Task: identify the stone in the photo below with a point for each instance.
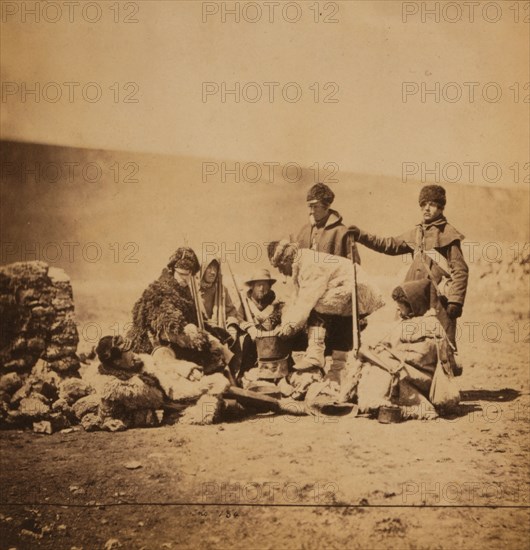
(33, 407)
(46, 389)
(19, 365)
(43, 427)
(133, 465)
(36, 318)
(62, 406)
(91, 422)
(66, 365)
(42, 371)
(22, 392)
(72, 389)
(4, 397)
(58, 275)
(113, 425)
(10, 382)
(85, 405)
(36, 345)
(56, 422)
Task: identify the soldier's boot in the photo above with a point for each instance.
(314, 354)
(337, 367)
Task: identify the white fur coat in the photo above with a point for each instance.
(325, 282)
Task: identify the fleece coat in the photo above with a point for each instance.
(165, 309)
(324, 283)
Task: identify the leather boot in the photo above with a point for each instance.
(314, 354)
(338, 364)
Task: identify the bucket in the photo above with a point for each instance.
(389, 414)
(270, 346)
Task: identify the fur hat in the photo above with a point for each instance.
(276, 250)
(320, 192)
(433, 193)
(184, 258)
(110, 348)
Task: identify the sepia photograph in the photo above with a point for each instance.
(264, 275)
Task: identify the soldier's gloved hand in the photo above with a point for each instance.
(252, 332)
(454, 310)
(355, 231)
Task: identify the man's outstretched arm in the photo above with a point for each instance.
(393, 246)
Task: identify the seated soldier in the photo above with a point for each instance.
(166, 314)
(125, 396)
(413, 367)
(220, 315)
(265, 356)
(218, 307)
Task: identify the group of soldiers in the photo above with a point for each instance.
(283, 350)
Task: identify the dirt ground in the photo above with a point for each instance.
(294, 482)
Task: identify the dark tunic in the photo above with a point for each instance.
(331, 237)
(441, 237)
(438, 235)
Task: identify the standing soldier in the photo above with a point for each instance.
(325, 231)
(435, 245)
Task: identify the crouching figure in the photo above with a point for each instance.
(414, 367)
(324, 286)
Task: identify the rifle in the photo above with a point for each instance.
(192, 283)
(355, 307)
(220, 299)
(242, 301)
(197, 301)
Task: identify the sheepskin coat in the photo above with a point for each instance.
(166, 306)
(164, 303)
(324, 283)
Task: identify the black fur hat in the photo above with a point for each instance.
(184, 258)
(322, 193)
(433, 193)
(110, 348)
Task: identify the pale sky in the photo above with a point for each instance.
(170, 53)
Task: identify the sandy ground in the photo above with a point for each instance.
(293, 482)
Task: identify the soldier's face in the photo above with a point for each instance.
(182, 276)
(210, 274)
(430, 211)
(404, 310)
(318, 210)
(128, 361)
(260, 289)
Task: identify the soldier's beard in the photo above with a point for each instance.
(312, 220)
